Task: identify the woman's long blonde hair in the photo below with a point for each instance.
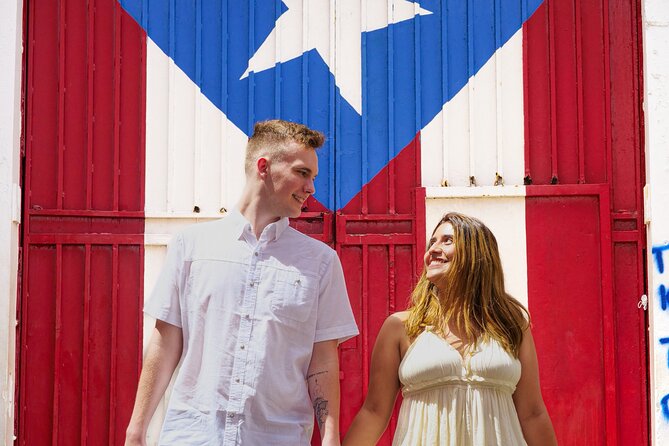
(471, 293)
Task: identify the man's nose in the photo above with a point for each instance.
(310, 188)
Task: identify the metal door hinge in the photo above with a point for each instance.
(643, 302)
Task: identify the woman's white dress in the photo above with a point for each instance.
(454, 400)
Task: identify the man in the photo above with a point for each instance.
(254, 310)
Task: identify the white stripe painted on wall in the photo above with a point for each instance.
(11, 25)
(480, 132)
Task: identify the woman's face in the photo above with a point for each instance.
(440, 253)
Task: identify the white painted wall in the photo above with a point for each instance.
(480, 132)
(655, 14)
(11, 25)
(488, 204)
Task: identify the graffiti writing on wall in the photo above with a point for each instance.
(663, 297)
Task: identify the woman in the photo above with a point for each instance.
(463, 354)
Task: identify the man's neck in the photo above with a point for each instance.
(255, 212)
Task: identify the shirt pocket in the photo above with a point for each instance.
(295, 295)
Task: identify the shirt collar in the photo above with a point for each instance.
(272, 231)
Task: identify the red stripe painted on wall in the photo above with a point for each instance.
(83, 226)
(585, 262)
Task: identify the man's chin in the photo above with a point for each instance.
(295, 213)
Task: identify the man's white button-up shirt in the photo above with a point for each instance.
(250, 311)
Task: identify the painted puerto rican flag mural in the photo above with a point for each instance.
(508, 110)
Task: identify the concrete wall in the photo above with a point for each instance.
(10, 201)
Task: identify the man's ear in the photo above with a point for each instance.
(263, 167)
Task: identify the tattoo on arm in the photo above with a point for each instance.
(320, 403)
(316, 374)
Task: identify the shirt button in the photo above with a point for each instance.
(242, 347)
(247, 316)
(251, 284)
(255, 254)
(231, 415)
(237, 380)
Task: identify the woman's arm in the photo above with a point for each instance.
(373, 417)
(534, 419)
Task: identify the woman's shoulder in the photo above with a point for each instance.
(400, 316)
(394, 325)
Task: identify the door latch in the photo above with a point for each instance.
(643, 302)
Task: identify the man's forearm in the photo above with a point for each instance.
(161, 359)
(323, 381)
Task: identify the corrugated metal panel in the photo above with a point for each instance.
(477, 137)
(583, 128)
(445, 75)
(83, 223)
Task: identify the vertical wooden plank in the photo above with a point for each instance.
(445, 177)
(58, 326)
(305, 62)
(74, 99)
(43, 100)
(594, 73)
(98, 379)
(86, 338)
(550, 9)
(471, 137)
(499, 90)
(69, 338)
(129, 155)
(251, 48)
(364, 320)
(117, 105)
(198, 198)
(171, 122)
(102, 157)
(114, 344)
(224, 189)
(625, 105)
(90, 89)
(364, 124)
(578, 40)
(61, 101)
(391, 108)
(36, 417)
(610, 367)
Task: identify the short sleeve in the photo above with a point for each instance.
(335, 317)
(164, 303)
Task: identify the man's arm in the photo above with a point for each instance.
(162, 357)
(323, 381)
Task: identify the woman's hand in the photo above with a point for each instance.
(372, 419)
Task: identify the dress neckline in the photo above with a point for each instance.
(464, 359)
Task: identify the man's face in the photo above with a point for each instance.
(292, 178)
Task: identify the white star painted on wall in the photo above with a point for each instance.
(310, 24)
